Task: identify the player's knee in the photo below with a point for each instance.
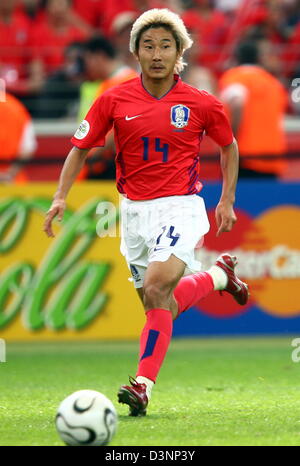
(156, 295)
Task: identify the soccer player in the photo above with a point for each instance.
(158, 122)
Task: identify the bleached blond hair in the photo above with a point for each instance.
(159, 18)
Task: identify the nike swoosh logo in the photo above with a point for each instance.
(158, 249)
(127, 118)
(238, 287)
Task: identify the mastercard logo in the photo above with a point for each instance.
(268, 252)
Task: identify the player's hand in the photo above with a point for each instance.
(57, 209)
(225, 217)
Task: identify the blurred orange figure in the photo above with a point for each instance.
(17, 139)
(256, 102)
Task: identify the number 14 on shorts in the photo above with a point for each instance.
(166, 233)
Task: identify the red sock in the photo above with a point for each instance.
(191, 289)
(154, 342)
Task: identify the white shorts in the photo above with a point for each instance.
(152, 230)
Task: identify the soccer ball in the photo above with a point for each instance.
(86, 417)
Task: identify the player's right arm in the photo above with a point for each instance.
(91, 133)
(71, 169)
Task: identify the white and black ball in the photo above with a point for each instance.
(86, 417)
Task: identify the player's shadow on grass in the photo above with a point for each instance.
(150, 417)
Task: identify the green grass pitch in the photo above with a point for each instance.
(209, 391)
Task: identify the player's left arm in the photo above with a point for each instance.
(225, 216)
(217, 126)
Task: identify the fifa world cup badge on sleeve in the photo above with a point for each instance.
(180, 116)
(83, 130)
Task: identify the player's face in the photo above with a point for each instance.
(157, 53)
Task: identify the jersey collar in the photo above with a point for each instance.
(177, 80)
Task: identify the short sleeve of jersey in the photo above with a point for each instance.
(217, 125)
(98, 121)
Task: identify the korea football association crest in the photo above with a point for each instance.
(180, 115)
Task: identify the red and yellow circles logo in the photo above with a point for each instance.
(268, 251)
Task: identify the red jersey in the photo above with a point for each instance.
(157, 140)
(48, 45)
(14, 41)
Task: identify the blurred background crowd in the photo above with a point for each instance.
(57, 56)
